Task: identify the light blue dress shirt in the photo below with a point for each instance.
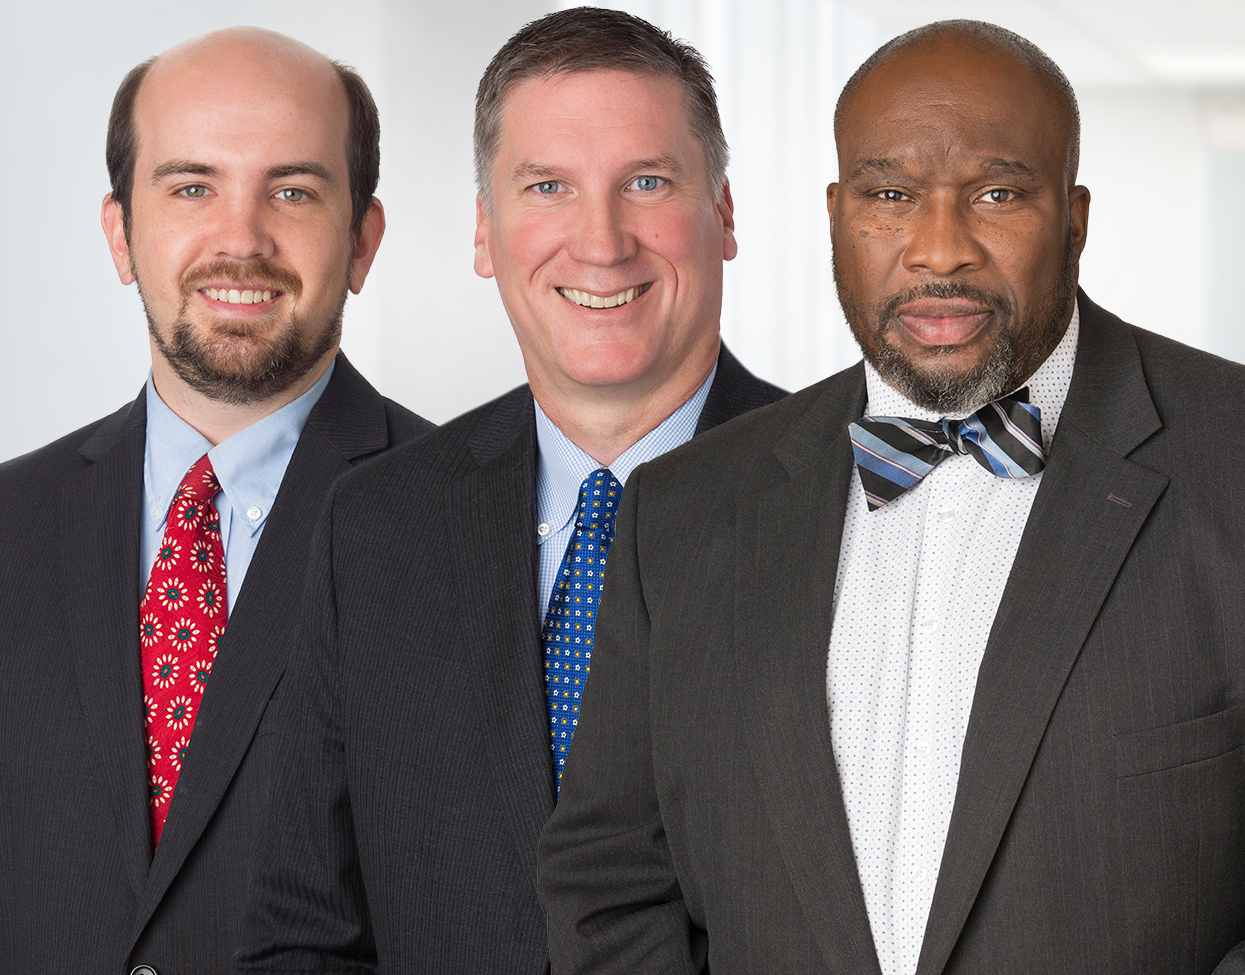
(249, 466)
(561, 468)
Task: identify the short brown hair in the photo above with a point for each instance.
(362, 141)
(596, 39)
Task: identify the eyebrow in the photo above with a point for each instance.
(1013, 166)
(889, 166)
(539, 171)
(877, 166)
(184, 167)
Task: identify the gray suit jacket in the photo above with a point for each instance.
(1099, 822)
(79, 888)
(414, 770)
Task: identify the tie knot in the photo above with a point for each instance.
(200, 483)
(894, 453)
(598, 500)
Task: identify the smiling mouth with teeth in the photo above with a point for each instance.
(587, 300)
(235, 296)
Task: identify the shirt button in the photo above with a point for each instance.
(253, 512)
(921, 875)
(947, 514)
(542, 530)
(924, 748)
(929, 626)
(156, 513)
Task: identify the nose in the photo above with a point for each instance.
(943, 237)
(600, 235)
(243, 232)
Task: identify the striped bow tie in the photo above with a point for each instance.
(893, 453)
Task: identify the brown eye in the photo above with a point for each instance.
(1000, 196)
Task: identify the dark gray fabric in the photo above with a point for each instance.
(414, 771)
(1099, 823)
(79, 888)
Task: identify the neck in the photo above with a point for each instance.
(604, 422)
(215, 419)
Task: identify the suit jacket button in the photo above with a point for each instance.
(143, 970)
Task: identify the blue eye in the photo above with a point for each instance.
(647, 184)
(548, 186)
(194, 192)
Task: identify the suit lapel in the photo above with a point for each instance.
(99, 546)
(1089, 491)
(496, 501)
(789, 540)
(348, 422)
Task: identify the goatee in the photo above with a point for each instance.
(1019, 348)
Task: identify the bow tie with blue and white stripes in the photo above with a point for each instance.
(893, 453)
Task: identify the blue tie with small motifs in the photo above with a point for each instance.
(567, 633)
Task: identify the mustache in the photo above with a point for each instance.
(252, 272)
(944, 289)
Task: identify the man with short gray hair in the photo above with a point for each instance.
(449, 616)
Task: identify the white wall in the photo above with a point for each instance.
(427, 331)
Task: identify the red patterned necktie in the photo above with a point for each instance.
(180, 621)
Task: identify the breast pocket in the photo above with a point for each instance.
(1184, 743)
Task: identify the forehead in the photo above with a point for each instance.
(596, 114)
(246, 105)
(951, 105)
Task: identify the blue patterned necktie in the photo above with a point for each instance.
(567, 634)
(893, 453)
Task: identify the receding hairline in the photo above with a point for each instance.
(984, 37)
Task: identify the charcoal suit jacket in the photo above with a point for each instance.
(80, 891)
(414, 768)
(1099, 821)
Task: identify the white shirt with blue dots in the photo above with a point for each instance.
(919, 581)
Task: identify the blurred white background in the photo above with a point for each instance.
(1161, 84)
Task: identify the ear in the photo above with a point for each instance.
(726, 208)
(112, 219)
(832, 195)
(1078, 217)
(366, 245)
(483, 260)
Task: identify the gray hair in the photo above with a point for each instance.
(596, 39)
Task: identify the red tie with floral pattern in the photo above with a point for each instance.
(180, 621)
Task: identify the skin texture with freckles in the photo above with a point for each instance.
(956, 226)
(599, 186)
(241, 183)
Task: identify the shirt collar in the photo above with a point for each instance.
(249, 465)
(561, 466)
(1048, 386)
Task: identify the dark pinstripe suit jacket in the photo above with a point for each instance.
(414, 771)
(79, 889)
(1099, 822)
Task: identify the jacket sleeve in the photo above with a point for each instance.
(607, 880)
(306, 906)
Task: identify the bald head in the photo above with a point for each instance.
(949, 40)
(245, 56)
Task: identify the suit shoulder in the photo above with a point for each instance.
(745, 446)
(405, 424)
(437, 456)
(51, 462)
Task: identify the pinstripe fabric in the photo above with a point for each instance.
(893, 453)
(81, 891)
(385, 849)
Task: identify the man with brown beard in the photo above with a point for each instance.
(938, 665)
(150, 563)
